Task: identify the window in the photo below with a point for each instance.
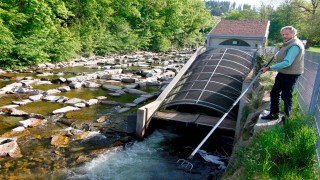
(234, 42)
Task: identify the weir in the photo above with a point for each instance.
(203, 90)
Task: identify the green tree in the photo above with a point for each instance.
(217, 8)
(286, 14)
(36, 31)
(266, 11)
(10, 18)
(309, 23)
(246, 14)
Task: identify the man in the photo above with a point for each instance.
(290, 65)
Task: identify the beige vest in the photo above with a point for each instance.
(297, 67)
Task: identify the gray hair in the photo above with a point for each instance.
(291, 28)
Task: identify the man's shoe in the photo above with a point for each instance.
(270, 116)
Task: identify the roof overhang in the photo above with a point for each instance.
(236, 36)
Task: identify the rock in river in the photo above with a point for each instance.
(65, 109)
(9, 146)
(59, 140)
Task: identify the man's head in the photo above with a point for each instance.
(288, 32)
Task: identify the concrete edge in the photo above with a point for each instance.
(145, 113)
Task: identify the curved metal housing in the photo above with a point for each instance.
(212, 83)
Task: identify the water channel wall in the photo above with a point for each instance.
(145, 113)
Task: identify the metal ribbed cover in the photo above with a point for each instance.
(212, 83)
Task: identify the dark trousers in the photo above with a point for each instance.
(283, 86)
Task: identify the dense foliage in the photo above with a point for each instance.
(35, 31)
(302, 14)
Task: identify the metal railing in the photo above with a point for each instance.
(308, 87)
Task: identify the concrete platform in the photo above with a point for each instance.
(264, 124)
(199, 119)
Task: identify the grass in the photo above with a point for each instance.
(314, 49)
(282, 152)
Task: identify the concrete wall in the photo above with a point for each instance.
(213, 42)
(145, 113)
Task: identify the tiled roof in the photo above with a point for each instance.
(241, 27)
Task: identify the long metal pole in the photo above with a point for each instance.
(233, 105)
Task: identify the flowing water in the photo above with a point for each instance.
(153, 158)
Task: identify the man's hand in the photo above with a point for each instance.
(264, 69)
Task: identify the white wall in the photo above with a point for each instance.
(213, 42)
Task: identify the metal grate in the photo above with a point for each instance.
(212, 83)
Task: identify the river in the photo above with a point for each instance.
(94, 143)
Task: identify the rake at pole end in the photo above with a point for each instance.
(185, 164)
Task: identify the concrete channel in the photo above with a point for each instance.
(201, 92)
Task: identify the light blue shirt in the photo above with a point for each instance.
(292, 53)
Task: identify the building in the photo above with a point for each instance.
(239, 34)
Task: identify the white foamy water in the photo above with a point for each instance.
(147, 159)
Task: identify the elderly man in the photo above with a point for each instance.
(290, 65)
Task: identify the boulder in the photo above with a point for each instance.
(52, 91)
(115, 94)
(80, 105)
(59, 140)
(101, 98)
(36, 97)
(38, 116)
(102, 119)
(113, 71)
(9, 106)
(121, 110)
(135, 91)
(75, 85)
(105, 76)
(131, 105)
(16, 112)
(44, 82)
(132, 86)
(81, 135)
(140, 100)
(22, 90)
(91, 102)
(52, 98)
(9, 146)
(129, 80)
(92, 85)
(62, 80)
(23, 102)
(65, 109)
(74, 101)
(111, 87)
(18, 129)
(64, 89)
(31, 122)
(110, 103)
(35, 92)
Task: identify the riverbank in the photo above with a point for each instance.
(282, 151)
(62, 115)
